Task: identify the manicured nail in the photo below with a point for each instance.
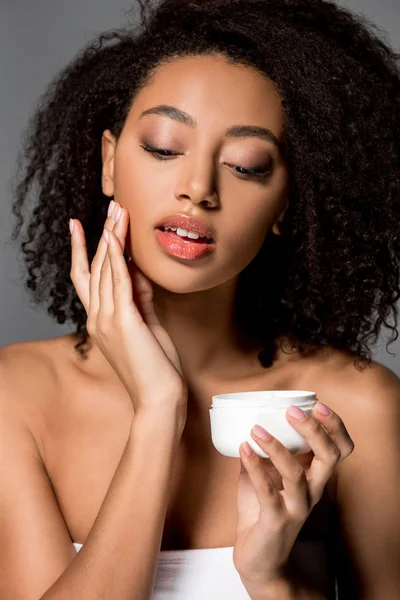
(71, 225)
(248, 449)
(261, 432)
(106, 236)
(117, 214)
(110, 208)
(297, 413)
(322, 409)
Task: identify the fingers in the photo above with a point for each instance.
(294, 481)
(119, 217)
(86, 279)
(330, 443)
(267, 493)
(79, 273)
(120, 278)
(336, 430)
(95, 270)
(106, 301)
(143, 291)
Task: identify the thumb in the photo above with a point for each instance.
(143, 295)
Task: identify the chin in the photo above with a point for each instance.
(178, 284)
(179, 275)
(178, 278)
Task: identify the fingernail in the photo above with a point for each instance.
(117, 214)
(106, 236)
(322, 409)
(297, 413)
(247, 448)
(71, 225)
(110, 208)
(261, 432)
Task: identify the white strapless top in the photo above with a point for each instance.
(199, 574)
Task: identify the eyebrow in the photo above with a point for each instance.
(235, 131)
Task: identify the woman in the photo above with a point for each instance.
(272, 129)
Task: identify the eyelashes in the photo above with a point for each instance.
(162, 154)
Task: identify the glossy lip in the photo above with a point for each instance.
(177, 247)
(189, 223)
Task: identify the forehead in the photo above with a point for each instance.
(217, 93)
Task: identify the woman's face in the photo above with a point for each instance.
(206, 178)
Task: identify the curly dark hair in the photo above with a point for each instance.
(332, 278)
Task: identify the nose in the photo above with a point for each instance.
(197, 183)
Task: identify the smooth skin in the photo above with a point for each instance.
(205, 178)
(113, 320)
(200, 172)
(264, 540)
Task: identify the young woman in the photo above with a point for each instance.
(272, 129)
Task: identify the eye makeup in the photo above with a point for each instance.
(258, 171)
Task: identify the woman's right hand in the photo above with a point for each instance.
(118, 299)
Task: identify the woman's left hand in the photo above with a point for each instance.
(269, 519)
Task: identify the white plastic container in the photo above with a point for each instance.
(232, 417)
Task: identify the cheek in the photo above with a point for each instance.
(248, 233)
(131, 184)
(252, 225)
(134, 177)
(136, 190)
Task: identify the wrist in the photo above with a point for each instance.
(159, 421)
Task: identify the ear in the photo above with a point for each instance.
(108, 144)
(276, 226)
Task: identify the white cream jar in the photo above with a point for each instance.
(232, 417)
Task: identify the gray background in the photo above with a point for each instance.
(36, 40)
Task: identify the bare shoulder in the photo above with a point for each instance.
(50, 387)
(370, 387)
(26, 354)
(367, 399)
(31, 373)
(49, 355)
(23, 362)
(368, 481)
(31, 561)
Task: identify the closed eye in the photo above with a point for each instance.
(157, 152)
(162, 154)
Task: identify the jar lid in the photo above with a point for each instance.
(273, 399)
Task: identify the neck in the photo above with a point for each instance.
(203, 328)
(214, 354)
